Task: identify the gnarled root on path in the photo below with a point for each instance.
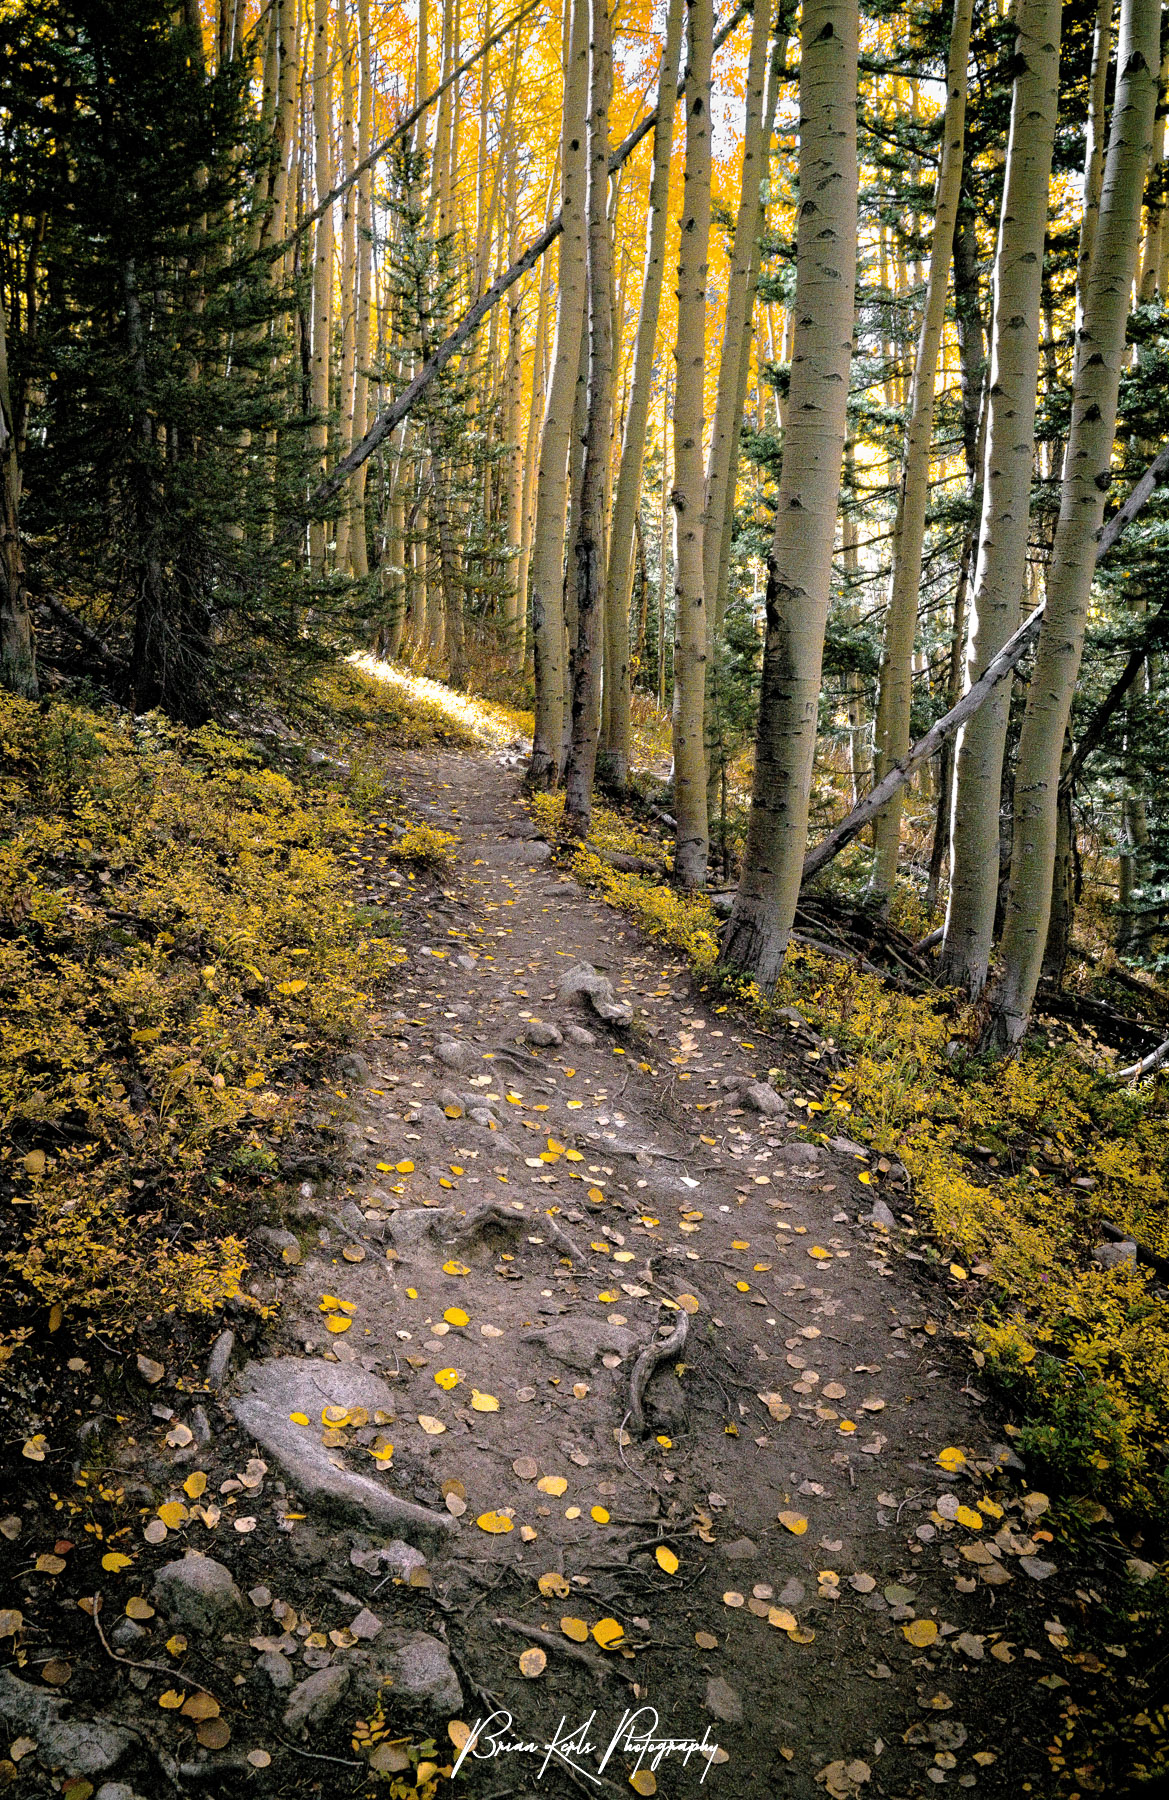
(660, 1351)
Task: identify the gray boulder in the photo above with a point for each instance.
(315, 1698)
(199, 1592)
(455, 1055)
(276, 1666)
(581, 1036)
(543, 1036)
(584, 983)
(580, 1343)
(763, 1099)
(1122, 1255)
(421, 1670)
(79, 1746)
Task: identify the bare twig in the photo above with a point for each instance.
(549, 1640)
(125, 1662)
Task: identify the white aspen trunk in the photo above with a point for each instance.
(895, 689)
(531, 464)
(1099, 360)
(358, 549)
(800, 563)
(348, 275)
(322, 326)
(1094, 135)
(722, 461)
(628, 492)
(422, 75)
(590, 543)
(1000, 569)
(688, 498)
(1153, 252)
(514, 599)
(547, 565)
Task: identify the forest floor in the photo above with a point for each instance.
(820, 1554)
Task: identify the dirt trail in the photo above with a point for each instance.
(810, 1528)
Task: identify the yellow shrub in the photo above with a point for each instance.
(425, 847)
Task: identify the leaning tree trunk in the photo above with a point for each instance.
(895, 689)
(800, 564)
(590, 541)
(322, 329)
(691, 843)
(1086, 479)
(547, 561)
(1006, 496)
(628, 494)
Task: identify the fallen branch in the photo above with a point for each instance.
(77, 628)
(1147, 1065)
(997, 670)
(125, 1662)
(651, 1358)
(622, 860)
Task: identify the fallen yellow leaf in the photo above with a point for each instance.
(920, 1632)
(533, 1662)
(483, 1402)
(495, 1522)
(665, 1559)
(576, 1629)
(608, 1632)
(794, 1521)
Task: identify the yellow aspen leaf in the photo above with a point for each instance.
(483, 1402)
(404, 1168)
(533, 1662)
(171, 1700)
(173, 1514)
(688, 1303)
(967, 1516)
(138, 1608)
(803, 1634)
(553, 1585)
(576, 1629)
(453, 1112)
(782, 1619)
(337, 1322)
(176, 1645)
(666, 1560)
(447, 1378)
(455, 1268)
(608, 1296)
(113, 1560)
(607, 1632)
(291, 987)
(431, 1426)
(495, 1522)
(572, 1512)
(958, 1272)
(819, 1253)
(744, 1287)
(794, 1522)
(596, 1195)
(329, 1303)
(643, 1781)
(733, 1598)
(334, 1416)
(950, 1459)
(920, 1632)
(195, 1484)
(552, 1484)
(454, 1315)
(599, 1515)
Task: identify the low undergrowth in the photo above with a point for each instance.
(180, 955)
(1015, 1167)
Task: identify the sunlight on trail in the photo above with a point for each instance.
(491, 724)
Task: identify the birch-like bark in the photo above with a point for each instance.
(348, 146)
(800, 563)
(628, 493)
(547, 563)
(728, 409)
(1086, 478)
(1094, 134)
(688, 497)
(590, 545)
(1006, 500)
(895, 689)
(322, 326)
(18, 666)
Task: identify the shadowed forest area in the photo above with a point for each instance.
(583, 599)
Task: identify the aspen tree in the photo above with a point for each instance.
(1006, 501)
(896, 679)
(800, 561)
(348, 144)
(547, 564)
(322, 323)
(688, 496)
(728, 410)
(590, 537)
(1100, 344)
(628, 493)
(359, 554)
(18, 668)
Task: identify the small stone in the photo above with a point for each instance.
(454, 1055)
(314, 1699)
(276, 1666)
(740, 1550)
(199, 1592)
(542, 1036)
(218, 1360)
(763, 1099)
(260, 1596)
(1037, 1568)
(125, 1633)
(793, 1593)
(422, 1671)
(723, 1701)
(881, 1215)
(583, 982)
(1121, 1255)
(151, 1372)
(366, 1625)
(581, 1036)
(83, 1746)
